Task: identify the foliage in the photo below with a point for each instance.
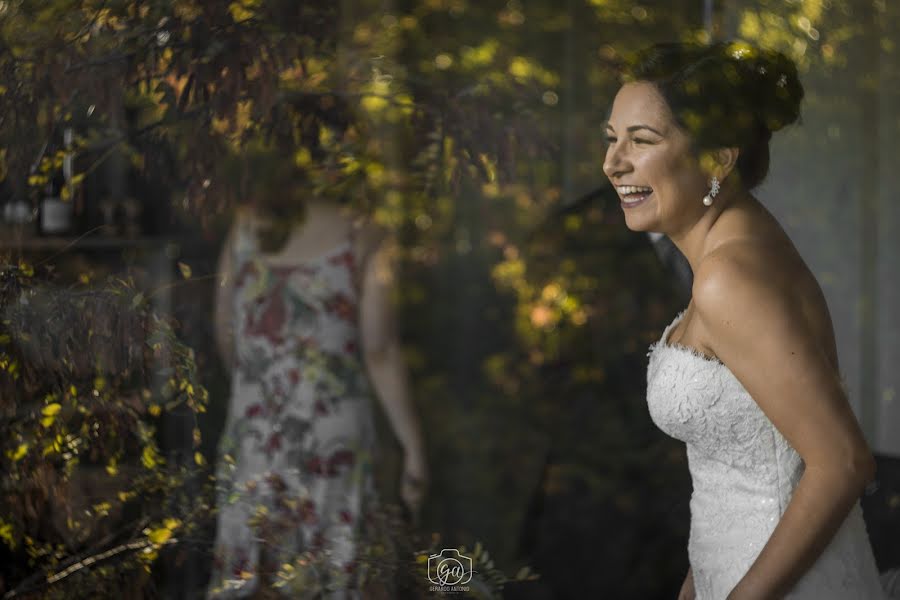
(87, 374)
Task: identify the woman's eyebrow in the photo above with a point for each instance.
(647, 127)
(636, 128)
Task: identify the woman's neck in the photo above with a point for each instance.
(711, 229)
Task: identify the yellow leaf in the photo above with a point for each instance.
(150, 458)
(373, 104)
(21, 451)
(326, 136)
(199, 459)
(6, 532)
(185, 270)
(112, 468)
(520, 67)
(302, 157)
(160, 535)
(48, 421)
(237, 12)
(155, 410)
(51, 409)
(171, 523)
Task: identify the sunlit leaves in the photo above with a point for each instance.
(524, 69)
(242, 10)
(101, 509)
(7, 534)
(150, 457)
(479, 56)
(20, 452)
(97, 389)
(161, 535)
(796, 28)
(49, 413)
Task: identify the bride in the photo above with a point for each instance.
(747, 375)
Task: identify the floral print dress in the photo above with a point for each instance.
(296, 492)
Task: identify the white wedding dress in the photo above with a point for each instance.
(744, 473)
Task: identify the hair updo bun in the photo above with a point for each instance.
(728, 94)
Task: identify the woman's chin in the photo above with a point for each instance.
(638, 225)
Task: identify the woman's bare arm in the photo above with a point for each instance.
(384, 361)
(223, 327)
(762, 337)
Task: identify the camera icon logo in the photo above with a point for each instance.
(449, 568)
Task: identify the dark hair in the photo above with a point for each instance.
(728, 94)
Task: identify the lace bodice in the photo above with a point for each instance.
(744, 473)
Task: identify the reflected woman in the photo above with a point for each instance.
(309, 334)
(747, 375)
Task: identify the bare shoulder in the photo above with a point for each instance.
(744, 266)
(743, 289)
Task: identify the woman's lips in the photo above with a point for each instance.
(635, 200)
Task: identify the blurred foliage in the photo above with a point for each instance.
(87, 372)
(466, 129)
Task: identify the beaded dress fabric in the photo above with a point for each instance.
(744, 473)
(297, 494)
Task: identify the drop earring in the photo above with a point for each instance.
(713, 191)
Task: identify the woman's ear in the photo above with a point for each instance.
(726, 160)
(719, 162)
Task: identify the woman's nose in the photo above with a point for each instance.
(615, 162)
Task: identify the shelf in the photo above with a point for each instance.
(35, 243)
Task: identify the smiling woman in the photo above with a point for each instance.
(747, 375)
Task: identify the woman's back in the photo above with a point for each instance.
(300, 432)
